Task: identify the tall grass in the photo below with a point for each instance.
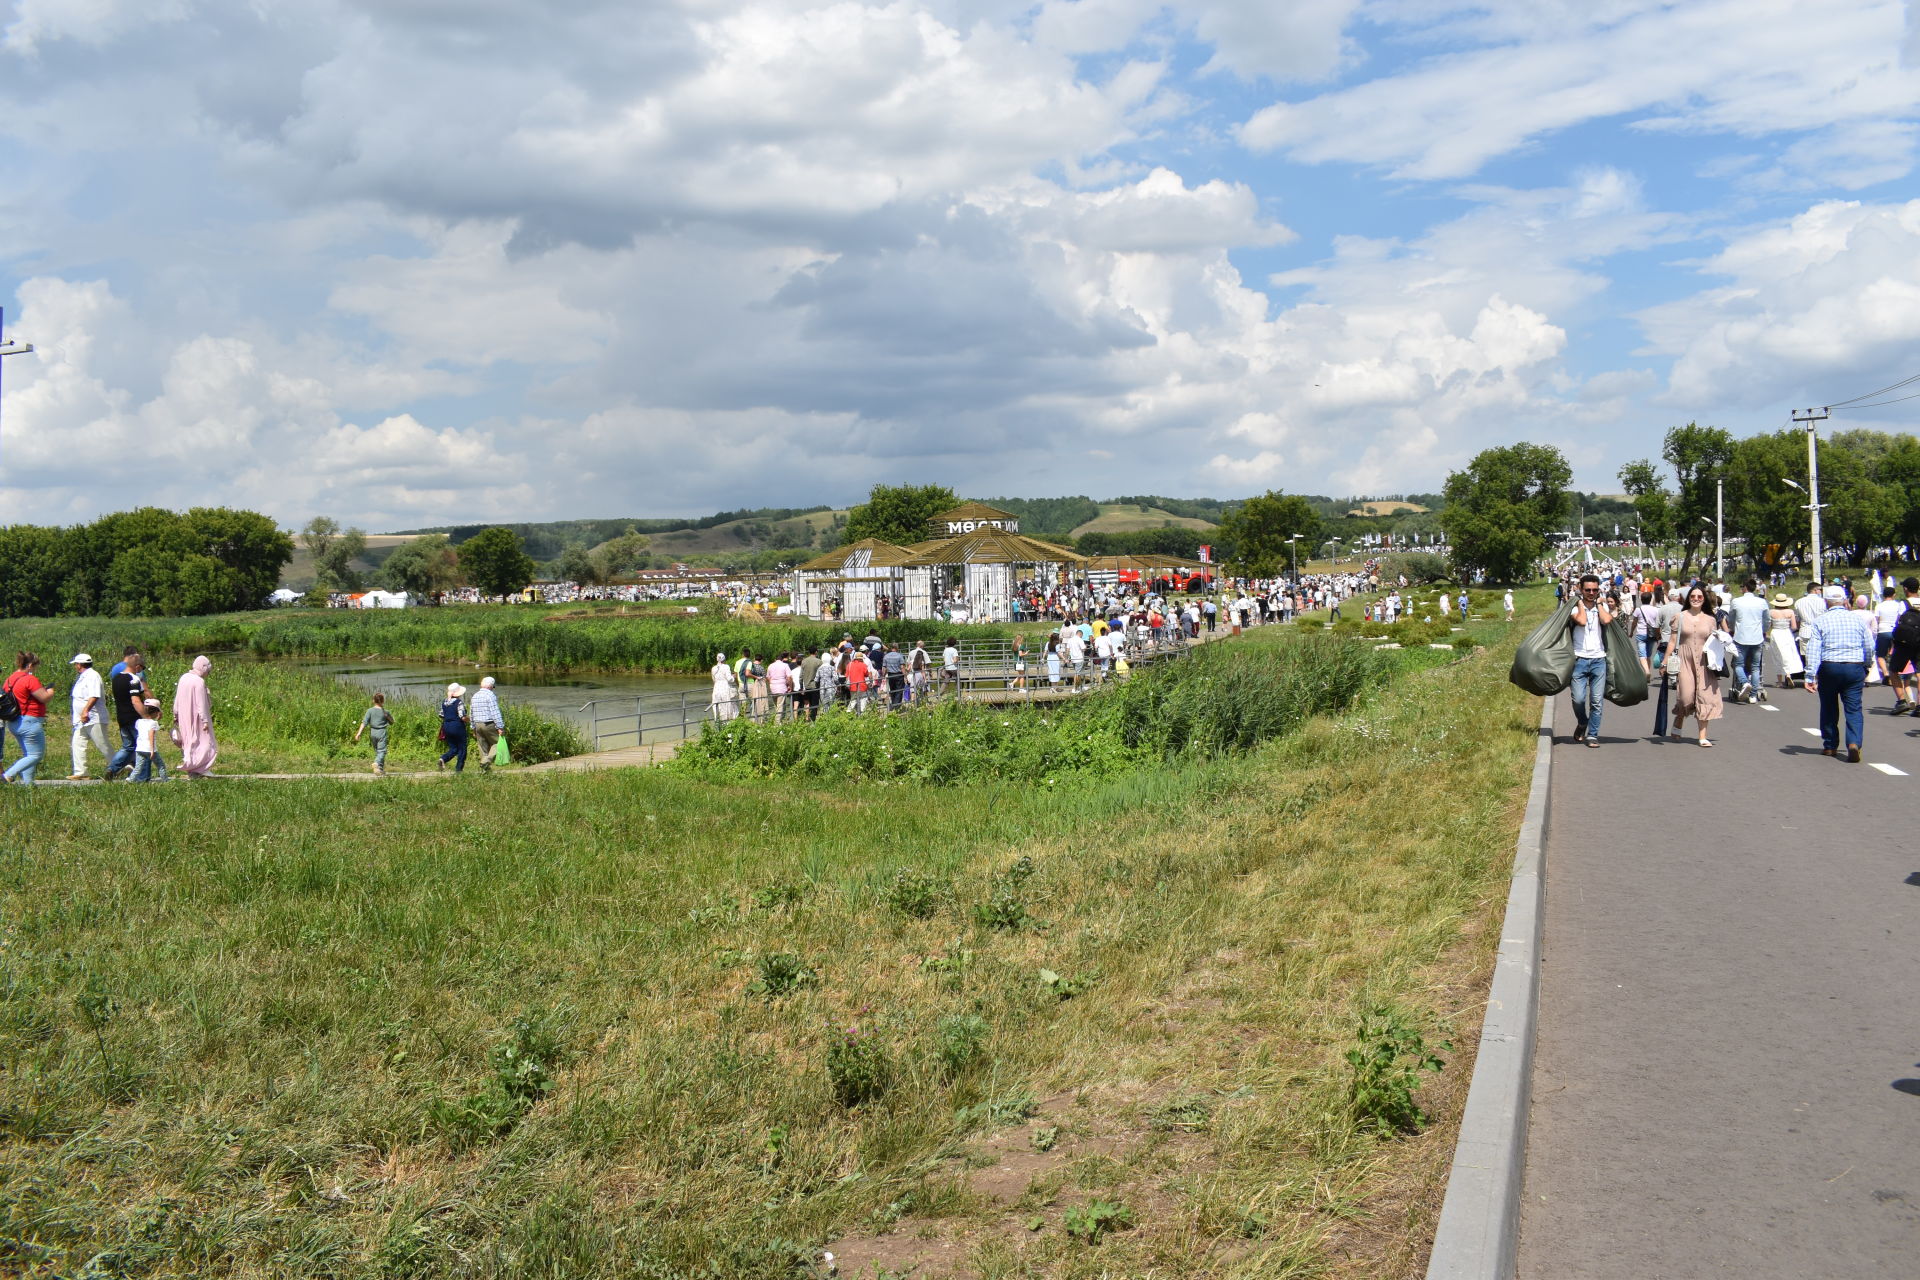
(496, 635)
(270, 718)
(1224, 699)
(320, 1029)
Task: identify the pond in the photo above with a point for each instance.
(559, 697)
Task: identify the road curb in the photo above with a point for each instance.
(1479, 1231)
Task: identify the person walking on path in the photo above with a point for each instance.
(453, 728)
(1696, 684)
(146, 743)
(29, 727)
(376, 720)
(88, 724)
(193, 720)
(1590, 618)
(129, 686)
(1750, 622)
(1807, 608)
(488, 724)
(1904, 652)
(725, 702)
(1839, 651)
(1783, 619)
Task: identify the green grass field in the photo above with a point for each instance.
(640, 1024)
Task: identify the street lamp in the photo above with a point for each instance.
(1812, 505)
(11, 348)
(1293, 547)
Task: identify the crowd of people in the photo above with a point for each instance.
(1836, 640)
(130, 696)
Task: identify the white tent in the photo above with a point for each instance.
(383, 600)
(284, 596)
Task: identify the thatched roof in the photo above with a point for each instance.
(975, 511)
(992, 546)
(882, 555)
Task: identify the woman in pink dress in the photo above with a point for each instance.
(1697, 685)
(193, 720)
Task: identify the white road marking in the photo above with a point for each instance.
(1814, 732)
(1768, 706)
(1889, 770)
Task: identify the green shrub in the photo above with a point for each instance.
(962, 1041)
(781, 974)
(915, 894)
(1386, 1069)
(1222, 700)
(859, 1068)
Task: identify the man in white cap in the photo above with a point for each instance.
(88, 724)
(1839, 654)
(483, 713)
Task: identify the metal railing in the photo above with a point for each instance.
(646, 718)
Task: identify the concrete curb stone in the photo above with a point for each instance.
(1479, 1229)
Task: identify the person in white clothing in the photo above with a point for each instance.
(88, 724)
(725, 703)
(1506, 602)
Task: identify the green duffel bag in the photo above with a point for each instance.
(1626, 682)
(1543, 663)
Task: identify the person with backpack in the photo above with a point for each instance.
(1903, 652)
(23, 705)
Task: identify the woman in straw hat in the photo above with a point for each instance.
(453, 728)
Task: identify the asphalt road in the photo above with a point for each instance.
(1727, 1078)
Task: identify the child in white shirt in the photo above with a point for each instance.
(146, 741)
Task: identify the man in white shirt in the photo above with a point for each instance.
(1589, 689)
(489, 726)
(1749, 633)
(1807, 608)
(1508, 602)
(88, 724)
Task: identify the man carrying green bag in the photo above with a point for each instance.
(1591, 620)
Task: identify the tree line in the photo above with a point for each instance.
(142, 563)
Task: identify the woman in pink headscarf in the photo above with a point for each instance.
(193, 720)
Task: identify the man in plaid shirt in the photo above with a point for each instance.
(1839, 652)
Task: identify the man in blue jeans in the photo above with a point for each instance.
(1749, 632)
(1591, 617)
(1839, 653)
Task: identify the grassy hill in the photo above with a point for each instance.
(1126, 517)
(747, 535)
(298, 575)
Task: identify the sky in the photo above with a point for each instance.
(417, 262)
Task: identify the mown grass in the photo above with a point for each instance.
(276, 719)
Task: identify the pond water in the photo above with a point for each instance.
(559, 697)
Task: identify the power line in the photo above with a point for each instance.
(1869, 395)
(1877, 403)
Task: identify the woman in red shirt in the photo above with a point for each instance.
(30, 726)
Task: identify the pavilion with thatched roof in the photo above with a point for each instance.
(980, 567)
(859, 575)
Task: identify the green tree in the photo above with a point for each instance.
(1501, 508)
(623, 555)
(1898, 472)
(1652, 500)
(423, 567)
(318, 535)
(1699, 457)
(1256, 535)
(577, 566)
(253, 548)
(899, 513)
(494, 562)
(1857, 513)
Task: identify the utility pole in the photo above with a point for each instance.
(1811, 417)
(1720, 531)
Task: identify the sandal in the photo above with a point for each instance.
(1705, 743)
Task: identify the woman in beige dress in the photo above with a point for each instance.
(1697, 686)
